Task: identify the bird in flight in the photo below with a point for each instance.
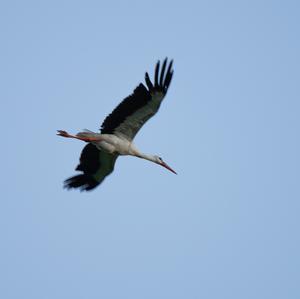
(119, 128)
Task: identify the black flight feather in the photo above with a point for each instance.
(139, 98)
(95, 165)
(156, 74)
(162, 74)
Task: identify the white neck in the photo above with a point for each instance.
(151, 158)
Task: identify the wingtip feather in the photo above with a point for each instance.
(156, 74)
(148, 81)
(162, 74)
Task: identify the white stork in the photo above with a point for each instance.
(98, 157)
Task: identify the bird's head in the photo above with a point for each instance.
(159, 161)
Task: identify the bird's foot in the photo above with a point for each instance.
(63, 134)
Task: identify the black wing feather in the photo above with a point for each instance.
(148, 82)
(83, 181)
(91, 165)
(137, 100)
(162, 74)
(156, 74)
(168, 78)
(89, 159)
(140, 98)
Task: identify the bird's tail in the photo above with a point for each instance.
(86, 133)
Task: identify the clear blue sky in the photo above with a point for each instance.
(227, 226)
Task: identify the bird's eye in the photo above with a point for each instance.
(160, 158)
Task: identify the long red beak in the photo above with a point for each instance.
(165, 165)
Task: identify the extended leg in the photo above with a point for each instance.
(83, 138)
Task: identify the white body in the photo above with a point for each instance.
(111, 144)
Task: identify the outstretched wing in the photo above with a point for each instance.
(131, 114)
(96, 165)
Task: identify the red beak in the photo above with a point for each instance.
(165, 165)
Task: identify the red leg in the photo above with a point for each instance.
(67, 135)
